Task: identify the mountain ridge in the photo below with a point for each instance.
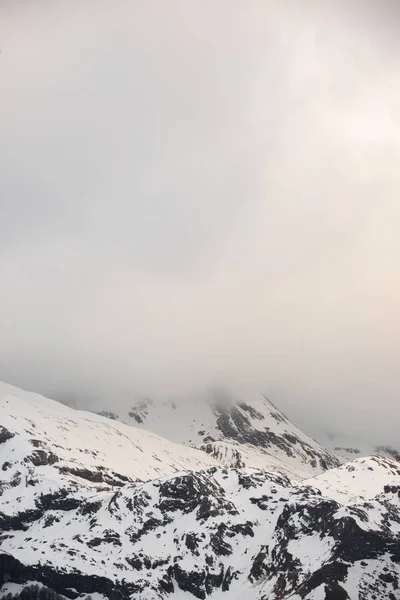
(154, 415)
(251, 433)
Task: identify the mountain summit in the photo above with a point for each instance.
(238, 434)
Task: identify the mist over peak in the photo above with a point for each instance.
(195, 196)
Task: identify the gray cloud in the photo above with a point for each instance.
(200, 193)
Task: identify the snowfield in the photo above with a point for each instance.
(85, 441)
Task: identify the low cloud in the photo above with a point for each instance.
(197, 195)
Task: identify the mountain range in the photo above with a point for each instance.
(237, 503)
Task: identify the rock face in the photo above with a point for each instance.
(96, 521)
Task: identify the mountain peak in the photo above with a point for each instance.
(250, 433)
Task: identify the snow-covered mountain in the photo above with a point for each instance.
(89, 506)
(238, 434)
(253, 433)
(72, 446)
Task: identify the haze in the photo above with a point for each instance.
(203, 193)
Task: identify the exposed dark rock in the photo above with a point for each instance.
(90, 507)
(235, 425)
(99, 475)
(57, 501)
(61, 583)
(109, 537)
(334, 591)
(108, 414)
(5, 435)
(192, 581)
(259, 566)
(34, 592)
(19, 521)
(395, 454)
(149, 525)
(42, 458)
(218, 543)
(192, 542)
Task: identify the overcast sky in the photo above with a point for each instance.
(203, 193)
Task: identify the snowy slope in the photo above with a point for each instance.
(362, 478)
(41, 434)
(245, 434)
